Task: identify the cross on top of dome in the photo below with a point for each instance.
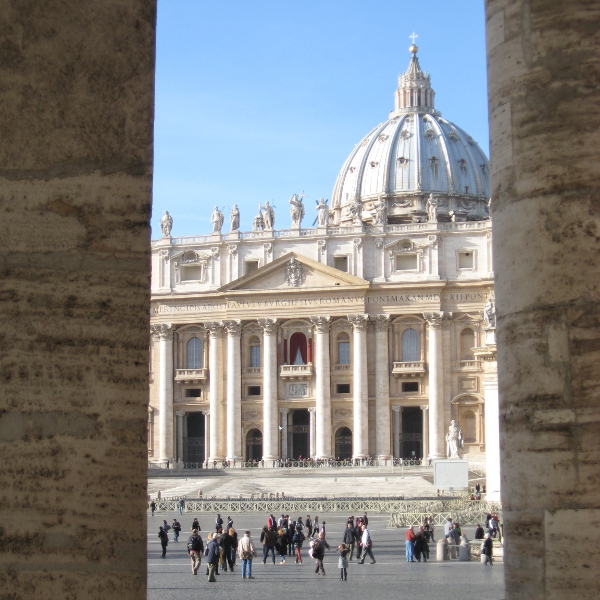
(414, 93)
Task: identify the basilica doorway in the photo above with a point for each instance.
(254, 445)
(343, 443)
(194, 438)
(411, 437)
(299, 434)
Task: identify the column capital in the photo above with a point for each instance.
(359, 322)
(312, 410)
(424, 407)
(234, 327)
(381, 322)
(215, 329)
(268, 325)
(162, 331)
(436, 319)
(398, 408)
(180, 413)
(284, 411)
(206, 413)
(321, 323)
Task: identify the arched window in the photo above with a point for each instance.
(254, 349)
(343, 345)
(298, 349)
(410, 346)
(469, 427)
(467, 341)
(193, 355)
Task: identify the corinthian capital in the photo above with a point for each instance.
(269, 326)
(215, 329)
(437, 319)
(321, 323)
(381, 322)
(359, 322)
(162, 331)
(234, 327)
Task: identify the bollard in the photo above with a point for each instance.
(442, 549)
(464, 551)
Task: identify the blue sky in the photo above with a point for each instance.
(262, 99)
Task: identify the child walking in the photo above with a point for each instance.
(343, 562)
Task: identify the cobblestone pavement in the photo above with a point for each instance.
(391, 577)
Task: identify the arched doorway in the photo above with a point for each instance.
(343, 443)
(194, 438)
(299, 434)
(254, 445)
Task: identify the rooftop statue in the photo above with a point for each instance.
(217, 219)
(234, 218)
(380, 216)
(432, 207)
(489, 313)
(166, 224)
(258, 223)
(323, 212)
(268, 215)
(297, 210)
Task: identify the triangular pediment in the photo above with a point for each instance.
(293, 271)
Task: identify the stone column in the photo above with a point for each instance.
(382, 387)
(206, 414)
(216, 334)
(269, 367)
(284, 431)
(397, 425)
(544, 104)
(164, 334)
(492, 439)
(360, 393)
(234, 390)
(322, 387)
(425, 416)
(312, 430)
(179, 414)
(436, 384)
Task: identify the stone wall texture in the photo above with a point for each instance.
(544, 90)
(76, 115)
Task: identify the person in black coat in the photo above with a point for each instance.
(213, 552)
(164, 540)
(488, 549)
(479, 532)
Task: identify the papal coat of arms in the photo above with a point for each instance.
(294, 273)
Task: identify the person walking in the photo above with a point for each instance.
(152, 507)
(218, 523)
(318, 553)
(282, 544)
(420, 544)
(164, 540)
(298, 540)
(343, 560)
(322, 535)
(487, 550)
(213, 552)
(176, 530)
(358, 537)
(349, 539)
(196, 525)
(246, 552)
(195, 548)
(231, 544)
(309, 526)
(367, 544)
(410, 544)
(268, 538)
(181, 505)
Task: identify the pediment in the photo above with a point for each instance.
(293, 271)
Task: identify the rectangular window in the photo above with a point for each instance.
(342, 388)
(410, 386)
(192, 393)
(344, 353)
(250, 266)
(340, 263)
(254, 390)
(465, 260)
(191, 273)
(406, 262)
(255, 356)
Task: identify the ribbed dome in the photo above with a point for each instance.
(412, 155)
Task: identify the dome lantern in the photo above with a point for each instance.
(414, 93)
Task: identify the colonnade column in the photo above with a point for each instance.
(425, 416)
(397, 427)
(270, 417)
(215, 365)
(206, 414)
(360, 434)
(382, 387)
(284, 430)
(436, 384)
(234, 390)
(164, 334)
(312, 431)
(323, 391)
(180, 434)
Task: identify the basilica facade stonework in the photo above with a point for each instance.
(362, 336)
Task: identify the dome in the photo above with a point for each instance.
(414, 155)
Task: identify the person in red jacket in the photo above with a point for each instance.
(410, 545)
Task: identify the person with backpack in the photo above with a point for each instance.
(164, 540)
(298, 540)
(195, 548)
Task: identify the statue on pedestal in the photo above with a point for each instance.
(323, 212)
(268, 215)
(380, 216)
(234, 218)
(489, 313)
(432, 206)
(166, 224)
(296, 211)
(454, 440)
(217, 219)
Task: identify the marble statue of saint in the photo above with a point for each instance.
(217, 219)
(268, 215)
(379, 218)
(355, 210)
(166, 224)
(258, 224)
(234, 218)
(489, 313)
(323, 212)
(297, 210)
(454, 440)
(432, 206)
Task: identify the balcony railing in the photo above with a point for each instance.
(409, 369)
(468, 365)
(252, 370)
(296, 371)
(341, 367)
(191, 375)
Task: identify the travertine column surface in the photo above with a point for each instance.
(544, 101)
(75, 193)
(284, 432)
(234, 390)
(322, 384)
(397, 426)
(215, 374)
(382, 387)
(270, 414)
(360, 434)
(164, 334)
(206, 414)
